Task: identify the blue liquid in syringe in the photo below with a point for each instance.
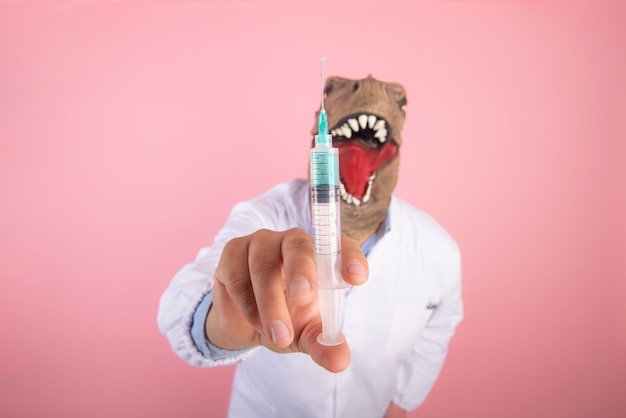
(326, 215)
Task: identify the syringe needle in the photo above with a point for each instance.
(322, 129)
(322, 61)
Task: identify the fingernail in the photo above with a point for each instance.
(356, 268)
(299, 285)
(279, 332)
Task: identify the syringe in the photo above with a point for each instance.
(326, 219)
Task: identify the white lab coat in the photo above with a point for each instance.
(398, 324)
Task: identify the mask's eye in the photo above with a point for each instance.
(333, 83)
(402, 104)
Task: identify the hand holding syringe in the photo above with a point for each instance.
(263, 292)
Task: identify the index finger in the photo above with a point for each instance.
(299, 267)
(355, 269)
(264, 262)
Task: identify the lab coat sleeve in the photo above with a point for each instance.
(190, 285)
(420, 370)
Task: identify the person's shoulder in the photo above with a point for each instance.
(280, 206)
(423, 227)
(288, 188)
(285, 192)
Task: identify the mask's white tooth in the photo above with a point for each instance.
(351, 200)
(368, 192)
(381, 134)
(353, 124)
(333, 132)
(363, 121)
(345, 129)
(366, 197)
(379, 124)
(371, 120)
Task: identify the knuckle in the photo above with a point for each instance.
(244, 299)
(264, 256)
(234, 246)
(239, 289)
(296, 238)
(262, 265)
(238, 282)
(267, 304)
(262, 234)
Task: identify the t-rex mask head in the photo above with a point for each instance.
(365, 118)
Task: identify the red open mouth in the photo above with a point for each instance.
(365, 144)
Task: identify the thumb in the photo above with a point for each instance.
(335, 358)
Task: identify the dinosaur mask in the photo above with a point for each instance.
(365, 118)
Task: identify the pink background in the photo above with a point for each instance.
(129, 129)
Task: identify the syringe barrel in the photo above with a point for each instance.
(326, 217)
(329, 303)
